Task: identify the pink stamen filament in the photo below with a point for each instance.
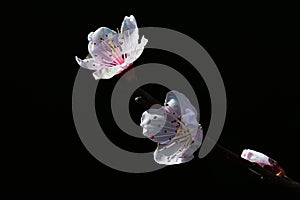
(118, 60)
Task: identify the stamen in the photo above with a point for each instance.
(108, 55)
(180, 136)
(181, 131)
(113, 46)
(169, 146)
(170, 127)
(165, 135)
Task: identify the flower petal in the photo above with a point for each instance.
(88, 63)
(197, 141)
(129, 35)
(102, 32)
(137, 51)
(178, 150)
(107, 72)
(156, 126)
(190, 121)
(181, 102)
(256, 157)
(129, 23)
(170, 154)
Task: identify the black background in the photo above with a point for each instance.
(256, 51)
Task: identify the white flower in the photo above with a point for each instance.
(263, 161)
(175, 128)
(112, 52)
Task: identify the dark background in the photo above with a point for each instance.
(256, 51)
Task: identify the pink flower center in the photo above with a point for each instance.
(118, 60)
